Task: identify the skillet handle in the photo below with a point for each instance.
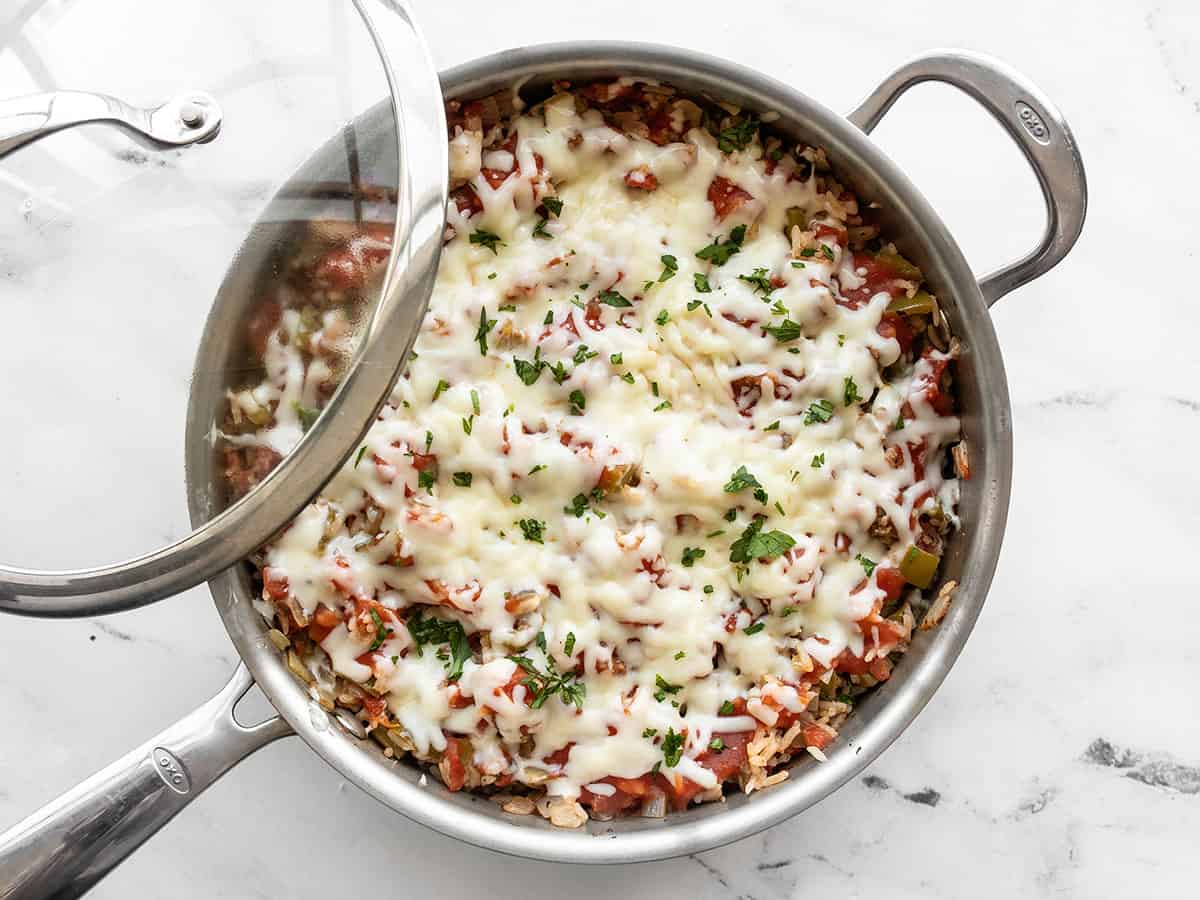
(68, 845)
(1032, 121)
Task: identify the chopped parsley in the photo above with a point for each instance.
(539, 230)
(527, 371)
(739, 135)
(841, 340)
(569, 643)
(468, 424)
(850, 392)
(578, 402)
(381, 630)
(481, 333)
(726, 708)
(544, 685)
(616, 359)
(486, 239)
(662, 318)
(559, 372)
(666, 404)
(708, 589)
(717, 744)
(628, 376)
(758, 280)
(649, 732)
(427, 478)
(672, 747)
(533, 529)
(442, 386)
(867, 564)
(579, 505)
(694, 304)
(719, 253)
(740, 480)
(796, 264)
(774, 426)
(613, 298)
(553, 206)
(670, 267)
(818, 460)
(701, 283)
(754, 544)
(785, 331)
(507, 307)
(808, 252)
(583, 354)
(537, 469)
(717, 533)
(305, 415)
(463, 479)
(730, 514)
(665, 687)
(680, 655)
(361, 451)
(475, 401)
(755, 628)
(691, 554)
(820, 411)
(432, 630)
(549, 320)
(826, 251)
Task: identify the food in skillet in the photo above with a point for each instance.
(665, 479)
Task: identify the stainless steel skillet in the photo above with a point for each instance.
(67, 846)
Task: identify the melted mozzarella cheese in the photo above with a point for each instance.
(682, 385)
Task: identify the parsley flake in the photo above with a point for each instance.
(754, 544)
(820, 411)
(533, 529)
(719, 253)
(481, 333)
(614, 298)
(691, 554)
(785, 331)
(486, 239)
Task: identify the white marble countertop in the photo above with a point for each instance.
(1062, 755)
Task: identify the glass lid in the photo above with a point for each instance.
(219, 229)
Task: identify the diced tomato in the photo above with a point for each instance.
(559, 757)
(894, 325)
(495, 177)
(821, 230)
(454, 771)
(816, 736)
(262, 325)
(747, 391)
(726, 197)
(641, 178)
(275, 584)
(376, 709)
(890, 581)
(324, 621)
(930, 384)
(467, 200)
(880, 276)
(879, 668)
(726, 762)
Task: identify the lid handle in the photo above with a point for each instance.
(188, 118)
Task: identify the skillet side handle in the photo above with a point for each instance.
(67, 846)
(1032, 121)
